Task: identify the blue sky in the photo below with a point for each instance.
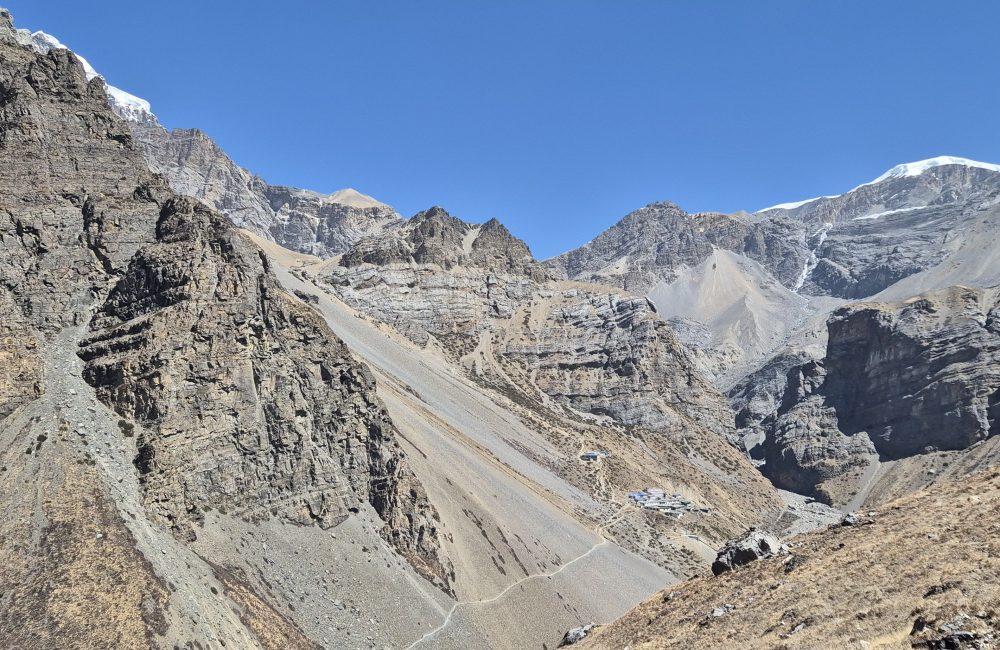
(557, 116)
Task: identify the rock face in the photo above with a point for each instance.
(897, 380)
(236, 397)
(849, 246)
(861, 258)
(751, 546)
(20, 366)
(301, 220)
(741, 286)
(196, 331)
(595, 350)
(933, 182)
(650, 245)
(609, 354)
(436, 273)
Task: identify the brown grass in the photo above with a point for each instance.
(925, 561)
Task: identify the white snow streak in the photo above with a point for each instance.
(812, 260)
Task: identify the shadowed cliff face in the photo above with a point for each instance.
(897, 381)
(233, 396)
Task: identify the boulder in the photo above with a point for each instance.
(752, 545)
(576, 635)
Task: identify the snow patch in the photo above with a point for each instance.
(128, 106)
(812, 260)
(125, 104)
(868, 217)
(795, 204)
(919, 167)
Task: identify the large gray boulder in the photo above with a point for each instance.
(753, 545)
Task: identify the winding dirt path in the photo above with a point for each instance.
(615, 518)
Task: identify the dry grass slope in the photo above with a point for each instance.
(918, 570)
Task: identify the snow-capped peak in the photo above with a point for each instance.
(919, 167)
(899, 171)
(125, 104)
(44, 43)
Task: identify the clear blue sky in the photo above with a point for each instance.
(557, 116)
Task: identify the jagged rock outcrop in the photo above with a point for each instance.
(324, 224)
(75, 196)
(437, 274)
(897, 380)
(235, 395)
(576, 635)
(197, 343)
(302, 220)
(753, 545)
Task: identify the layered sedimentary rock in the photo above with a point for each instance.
(897, 380)
(596, 350)
(608, 353)
(859, 259)
(435, 273)
(248, 402)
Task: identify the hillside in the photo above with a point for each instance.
(237, 414)
(923, 571)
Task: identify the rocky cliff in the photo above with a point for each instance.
(204, 388)
(198, 344)
(935, 182)
(596, 350)
(301, 220)
(609, 354)
(740, 287)
(897, 381)
(436, 273)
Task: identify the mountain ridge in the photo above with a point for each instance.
(278, 418)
